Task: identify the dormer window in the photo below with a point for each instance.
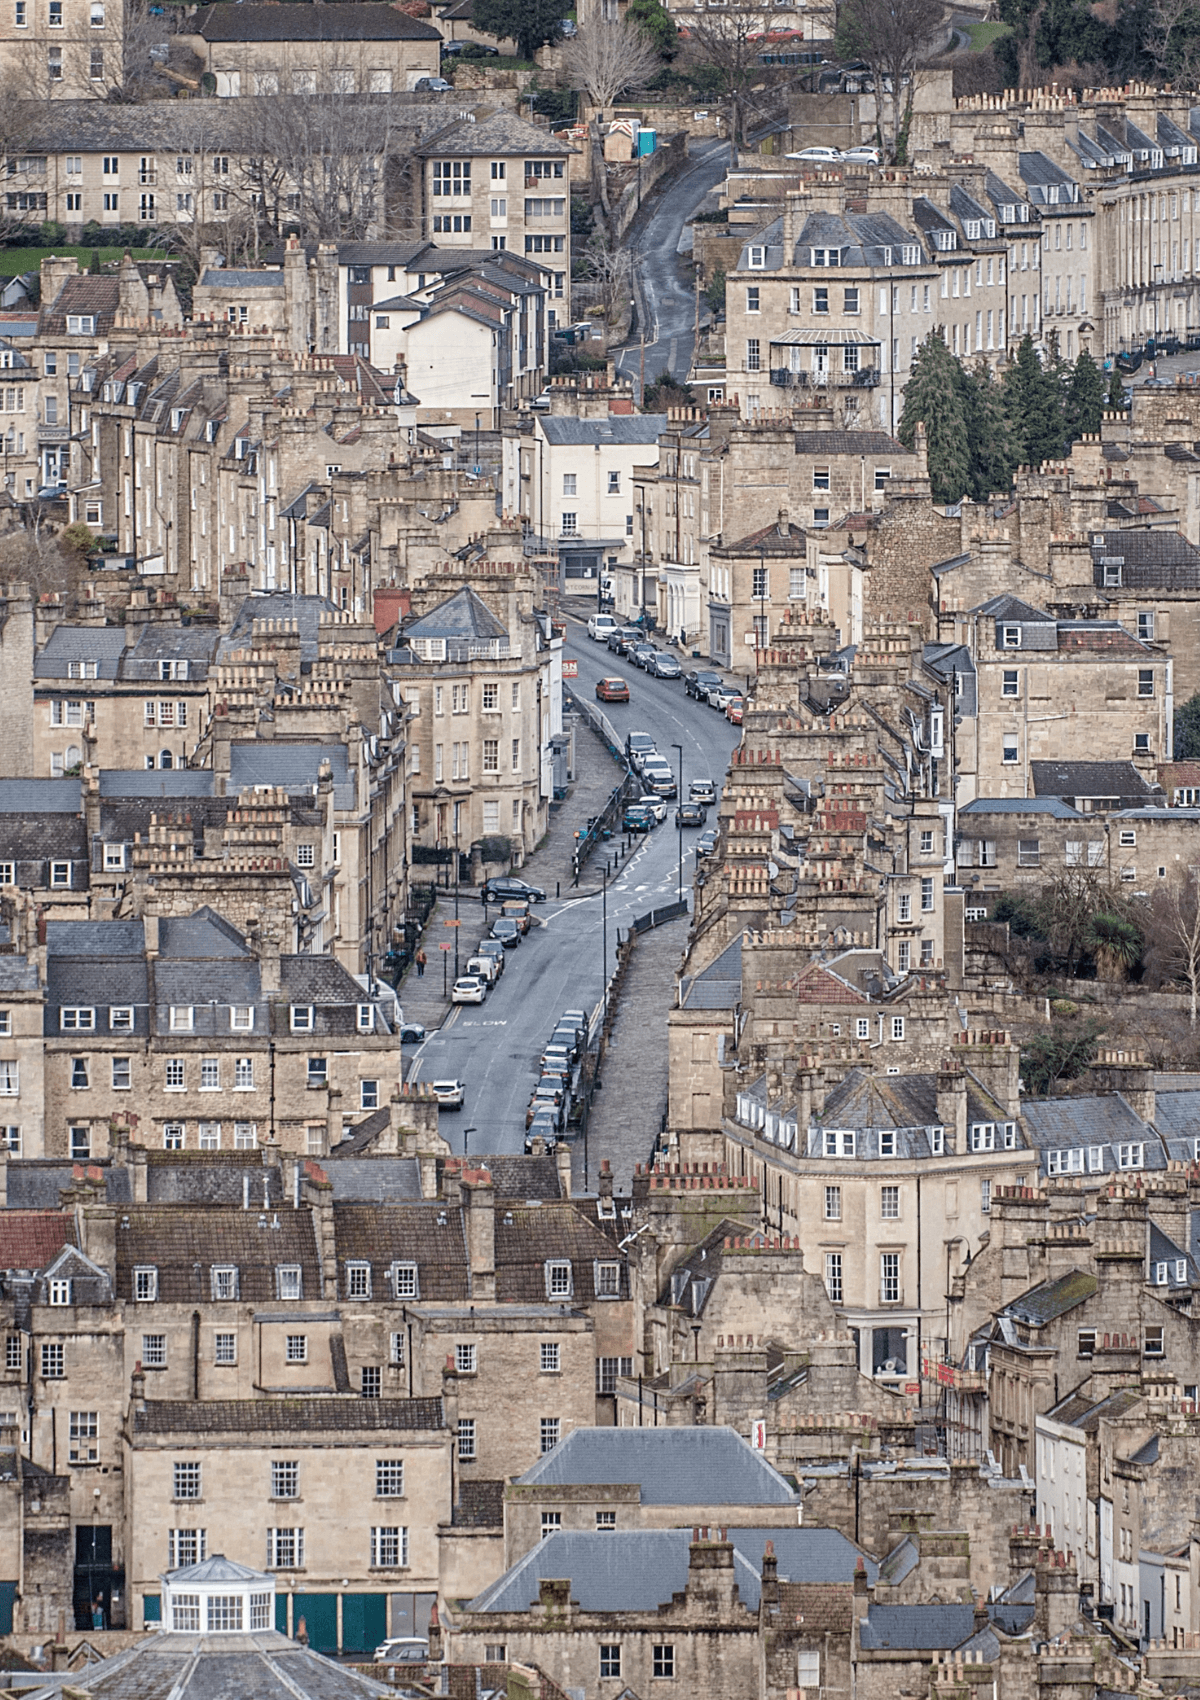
(181, 1018)
(945, 240)
(60, 1292)
(224, 1281)
(910, 256)
(358, 1280)
(241, 1017)
(145, 1284)
(289, 1281)
(302, 1018)
(366, 1018)
(559, 1284)
(1010, 637)
(404, 1281)
(825, 256)
(974, 229)
(1112, 570)
(756, 258)
(81, 324)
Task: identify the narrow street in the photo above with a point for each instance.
(564, 960)
(664, 290)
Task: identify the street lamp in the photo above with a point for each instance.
(679, 817)
(456, 807)
(467, 1132)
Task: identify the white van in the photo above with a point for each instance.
(599, 627)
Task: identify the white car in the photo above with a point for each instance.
(818, 156)
(599, 627)
(656, 806)
(403, 1650)
(449, 1094)
(470, 989)
(862, 156)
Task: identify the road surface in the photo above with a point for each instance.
(563, 961)
(665, 292)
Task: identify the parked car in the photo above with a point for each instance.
(507, 931)
(818, 156)
(507, 885)
(556, 1054)
(486, 968)
(719, 695)
(542, 1127)
(494, 950)
(546, 1097)
(403, 1649)
(861, 156)
(656, 806)
(702, 791)
(612, 690)
(599, 627)
(432, 85)
(412, 1033)
(578, 1020)
(637, 818)
(557, 1074)
(620, 640)
(568, 1038)
(469, 989)
(519, 912)
(541, 403)
(691, 814)
(639, 745)
(707, 842)
(734, 710)
(449, 1094)
(641, 654)
(700, 683)
(479, 50)
(665, 666)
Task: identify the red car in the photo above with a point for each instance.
(612, 690)
(733, 711)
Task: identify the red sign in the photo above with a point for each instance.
(570, 668)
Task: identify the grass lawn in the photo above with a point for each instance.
(14, 260)
(983, 35)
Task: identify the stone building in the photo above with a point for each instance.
(272, 52)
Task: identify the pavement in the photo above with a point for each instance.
(666, 306)
(566, 958)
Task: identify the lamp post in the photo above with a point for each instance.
(477, 445)
(467, 1132)
(455, 807)
(679, 818)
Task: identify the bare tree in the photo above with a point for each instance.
(1172, 39)
(728, 41)
(317, 163)
(1173, 936)
(606, 57)
(892, 36)
(606, 278)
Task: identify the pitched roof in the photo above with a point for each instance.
(429, 1235)
(133, 782)
(463, 615)
(102, 644)
(32, 1239)
(186, 1242)
(719, 986)
(1162, 559)
(621, 430)
(1052, 806)
(344, 22)
(923, 1627)
(325, 1413)
(40, 796)
(1053, 1298)
(499, 133)
(1088, 779)
(848, 443)
(305, 612)
(672, 1466)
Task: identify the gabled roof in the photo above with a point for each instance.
(847, 443)
(66, 644)
(719, 986)
(1052, 806)
(344, 22)
(672, 1466)
(1053, 1298)
(1012, 608)
(619, 430)
(32, 1239)
(1089, 779)
(499, 134)
(40, 796)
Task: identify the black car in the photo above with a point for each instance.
(699, 684)
(707, 842)
(691, 814)
(505, 886)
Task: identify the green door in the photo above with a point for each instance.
(364, 1622)
(281, 1613)
(319, 1612)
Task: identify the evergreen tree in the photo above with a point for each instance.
(990, 446)
(1116, 391)
(1084, 405)
(1034, 402)
(1187, 730)
(933, 397)
(530, 23)
(95, 268)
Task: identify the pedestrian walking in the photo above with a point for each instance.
(421, 960)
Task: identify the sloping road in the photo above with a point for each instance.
(663, 293)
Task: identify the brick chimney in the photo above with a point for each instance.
(479, 1198)
(952, 1106)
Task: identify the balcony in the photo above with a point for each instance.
(784, 379)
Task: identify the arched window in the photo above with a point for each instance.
(165, 759)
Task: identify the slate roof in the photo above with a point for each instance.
(906, 1103)
(97, 296)
(265, 1665)
(158, 642)
(34, 838)
(40, 796)
(1089, 779)
(285, 1416)
(184, 1243)
(1052, 806)
(344, 22)
(1161, 559)
(375, 1180)
(242, 277)
(719, 986)
(690, 1283)
(672, 1466)
(463, 615)
(628, 430)
(771, 540)
(1050, 1299)
(102, 644)
(480, 1505)
(32, 1239)
(305, 611)
(498, 134)
(529, 1234)
(1103, 1120)
(521, 1177)
(925, 1627)
(295, 767)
